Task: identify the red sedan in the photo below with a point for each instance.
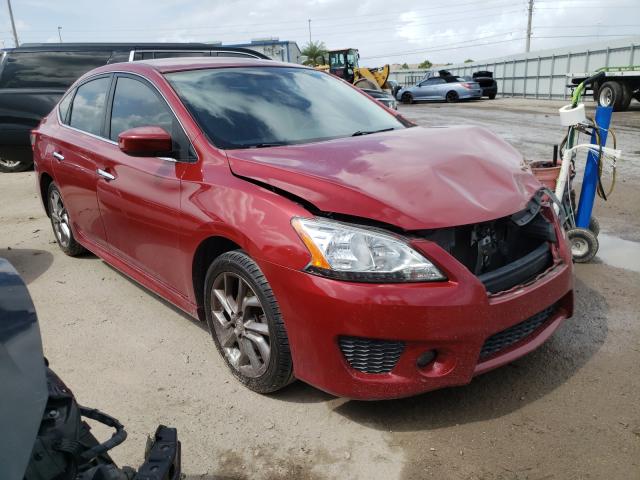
(321, 236)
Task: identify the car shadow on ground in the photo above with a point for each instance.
(171, 306)
(29, 263)
(501, 391)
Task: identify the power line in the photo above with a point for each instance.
(341, 32)
(608, 7)
(584, 36)
(563, 27)
(456, 16)
(447, 47)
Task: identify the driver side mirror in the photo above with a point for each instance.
(145, 142)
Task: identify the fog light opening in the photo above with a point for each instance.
(426, 358)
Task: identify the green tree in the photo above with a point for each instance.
(425, 64)
(469, 60)
(316, 53)
(405, 66)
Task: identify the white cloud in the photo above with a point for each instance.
(433, 29)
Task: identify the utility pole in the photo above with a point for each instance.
(530, 12)
(309, 31)
(13, 24)
(60, 34)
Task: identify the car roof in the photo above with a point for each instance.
(107, 46)
(179, 64)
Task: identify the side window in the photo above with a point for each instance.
(87, 111)
(136, 105)
(48, 69)
(63, 108)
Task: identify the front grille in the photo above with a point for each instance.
(504, 339)
(371, 356)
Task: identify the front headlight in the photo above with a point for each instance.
(348, 252)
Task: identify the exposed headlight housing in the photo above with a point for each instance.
(348, 252)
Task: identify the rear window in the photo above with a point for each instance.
(64, 107)
(87, 111)
(48, 69)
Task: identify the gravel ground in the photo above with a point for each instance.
(568, 411)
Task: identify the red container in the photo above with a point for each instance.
(547, 173)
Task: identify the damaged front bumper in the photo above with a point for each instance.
(380, 341)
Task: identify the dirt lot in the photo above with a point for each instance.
(570, 410)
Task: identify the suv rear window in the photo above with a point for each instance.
(48, 69)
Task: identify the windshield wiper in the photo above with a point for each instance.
(267, 144)
(369, 132)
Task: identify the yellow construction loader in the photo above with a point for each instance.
(344, 64)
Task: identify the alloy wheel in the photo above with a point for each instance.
(240, 324)
(60, 219)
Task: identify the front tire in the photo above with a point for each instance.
(245, 323)
(61, 223)
(407, 98)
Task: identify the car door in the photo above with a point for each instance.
(74, 153)
(139, 197)
(434, 89)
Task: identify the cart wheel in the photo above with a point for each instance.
(594, 226)
(584, 244)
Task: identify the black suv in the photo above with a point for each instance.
(33, 78)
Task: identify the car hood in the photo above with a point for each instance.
(415, 178)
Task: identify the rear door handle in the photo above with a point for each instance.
(58, 156)
(106, 175)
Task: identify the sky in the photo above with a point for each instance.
(410, 31)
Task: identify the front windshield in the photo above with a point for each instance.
(266, 106)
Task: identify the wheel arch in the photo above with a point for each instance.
(45, 181)
(206, 252)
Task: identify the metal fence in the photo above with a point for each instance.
(541, 74)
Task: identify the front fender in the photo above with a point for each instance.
(249, 215)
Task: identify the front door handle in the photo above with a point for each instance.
(58, 156)
(106, 175)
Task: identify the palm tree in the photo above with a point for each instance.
(316, 53)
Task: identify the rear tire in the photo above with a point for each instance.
(627, 95)
(452, 96)
(245, 323)
(407, 98)
(61, 223)
(492, 96)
